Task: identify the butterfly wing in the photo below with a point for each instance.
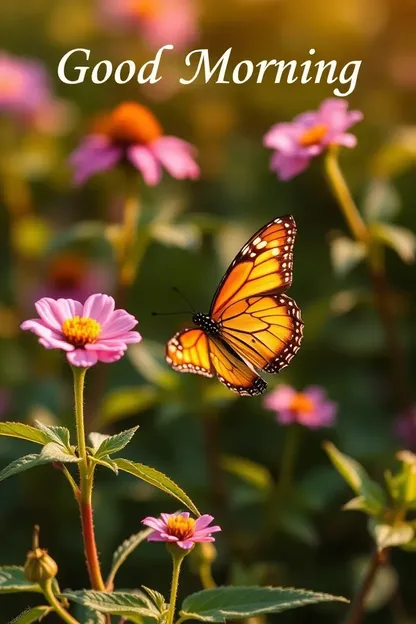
(266, 331)
(263, 266)
(188, 352)
(191, 351)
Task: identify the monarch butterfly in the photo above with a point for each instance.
(251, 324)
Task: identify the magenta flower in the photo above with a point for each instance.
(309, 408)
(131, 133)
(180, 529)
(405, 428)
(158, 22)
(24, 85)
(308, 135)
(89, 333)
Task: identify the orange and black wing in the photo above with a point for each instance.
(266, 331)
(191, 351)
(262, 267)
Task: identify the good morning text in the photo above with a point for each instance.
(74, 68)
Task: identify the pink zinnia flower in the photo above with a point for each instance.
(310, 408)
(180, 529)
(405, 428)
(24, 85)
(131, 133)
(89, 333)
(159, 22)
(308, 135)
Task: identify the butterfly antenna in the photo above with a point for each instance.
(170, 313)
(180, 293)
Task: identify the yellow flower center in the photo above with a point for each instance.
(67, 271)
(129, 123)
(313, 135)
(180, 527)
(301, 403)
(81, 330)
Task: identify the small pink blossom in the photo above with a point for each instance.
(180, 529)
(89, 333)
(131, 133)
(309, 408)
(158, 22)
(308, 135)
(405, 428)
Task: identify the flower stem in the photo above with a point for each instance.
(177, 557)
(288, 461)
(86, 484)
(47, 588)
(380, 286)
(356, 612)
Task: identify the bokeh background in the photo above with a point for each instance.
(55, 239)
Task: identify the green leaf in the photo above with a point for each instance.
(13, 580)
(97, 439)
(20, 465)
(24, 432)
(382, 202)
(89, 616)
(126, 402)
(346, 254)
(252, 473)
(124, 550)
(157, 479)
(402, 240)
(107, 462)
(386, 535)
(115, 443)
(357, 478)
(53, 452)
(358, 504)
(32, 615)
(237, 603)
(132, 606)
(157, 598)
(59, 435)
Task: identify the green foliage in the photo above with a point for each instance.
(346, 254)
(157, 598)
(157, 479)
(252, 473)
(124, 402)
(386, 535)
(57, 435)
(115, 443)
(237, 603)
(32, 615)
(124, 550)
(13, 580)
(132, 606)
(402, 240)
(24, 432)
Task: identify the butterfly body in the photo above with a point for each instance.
(252, 324)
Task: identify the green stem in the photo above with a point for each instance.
(86, 484)
(205, 575)
(47, 588)
(356, 613)
(288, 461)
(177, 558)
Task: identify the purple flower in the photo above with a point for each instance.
(89, 333)
(405, 428)
(158, 22)
(132, 133)
(180, 529)
(308, 135)
(309, 408)
(24, 86)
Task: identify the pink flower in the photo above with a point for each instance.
(158, 22)
(308, 135)
(180, 529)
(132, 133)
(309, 408)
(89, 333)
(405, 428)
(24, 85)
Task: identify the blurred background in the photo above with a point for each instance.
(56, 240)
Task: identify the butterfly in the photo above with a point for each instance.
(252, 324)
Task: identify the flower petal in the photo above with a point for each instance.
(99, 307)
(142, 158)
(80, 357)
(94, 155)
(177, 157)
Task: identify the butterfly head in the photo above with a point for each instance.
(206, 323)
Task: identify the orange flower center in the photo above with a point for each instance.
(81, 330)
(313, 135)
(143, 9)
(129, 123)
(301, 403)
(180, 527)
(67, 271)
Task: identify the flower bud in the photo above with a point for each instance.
(39, 566)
